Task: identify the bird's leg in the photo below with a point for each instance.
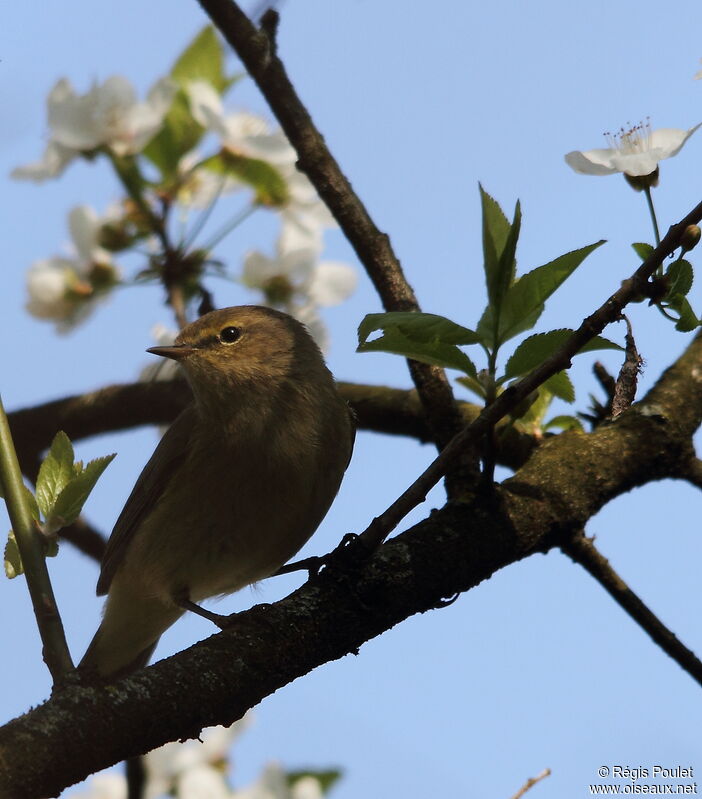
(184, 602)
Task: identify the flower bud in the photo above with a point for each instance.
(690, 238)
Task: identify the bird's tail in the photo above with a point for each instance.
(128, 633)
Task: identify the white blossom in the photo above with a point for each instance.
(198, 186)
(192, 766)
(296, 281)
(109, 114)
(273, 784)
(635, 151)
(241, 132)
(250, 135)
(64, 289)
(55, 159)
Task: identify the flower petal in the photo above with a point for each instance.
(205, 102)
(591, 162)
(55, 159)
(670, 140)
(332, 283)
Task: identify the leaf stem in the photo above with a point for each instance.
(55, 649)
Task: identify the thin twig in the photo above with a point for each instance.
(627, 381)
(593, 325)
(55, 649)
(582, 551)
(531, 782)
(372, 246)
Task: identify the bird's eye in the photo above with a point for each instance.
(228, 335)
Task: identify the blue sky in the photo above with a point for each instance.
(536, 667)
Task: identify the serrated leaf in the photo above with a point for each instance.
(561, 386)
(500, 239)
(680, 277)
(490, 337)
(564, 422)
(537, 348)
(688, 320)
(55, 472)
(13, 560)
(202, 59)
(422, 327)
(326, 778)
(642, 250)
(496, 229)
(472, 385)
(70, 501)
(447, 356)
(270, 186)
(532, 290)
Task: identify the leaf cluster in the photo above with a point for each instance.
(514, 306)
(62, 488)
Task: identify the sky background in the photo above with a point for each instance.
(536, 667)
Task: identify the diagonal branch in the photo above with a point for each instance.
(256, 50)
(610, 311)
(583, 551)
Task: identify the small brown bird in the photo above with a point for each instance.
(236, 486)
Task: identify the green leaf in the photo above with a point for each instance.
(178, 135)
(270, 186)
(31, 501)
(496, 229)
(13, 560)
(564, 422)
(71, 500)
(202, 59)
(642, 250)
(680, 277)
(534, 350)
(499, 247)
(424, 327)
(530, 419)
(473, 385)
(530, 292)
(435, 353)
(55, 472)
(688, 320)
(490, 336)
(326, 778)
(561, 386)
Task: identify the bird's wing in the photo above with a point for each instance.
(168, 456)
(353, 419)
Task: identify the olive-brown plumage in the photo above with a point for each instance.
(236, 486)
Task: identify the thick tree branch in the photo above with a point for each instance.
(694, 473)
(121, 407)
(582, 550)
(335, 613)
(372, 246)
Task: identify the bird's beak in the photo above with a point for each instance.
(176, 351)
